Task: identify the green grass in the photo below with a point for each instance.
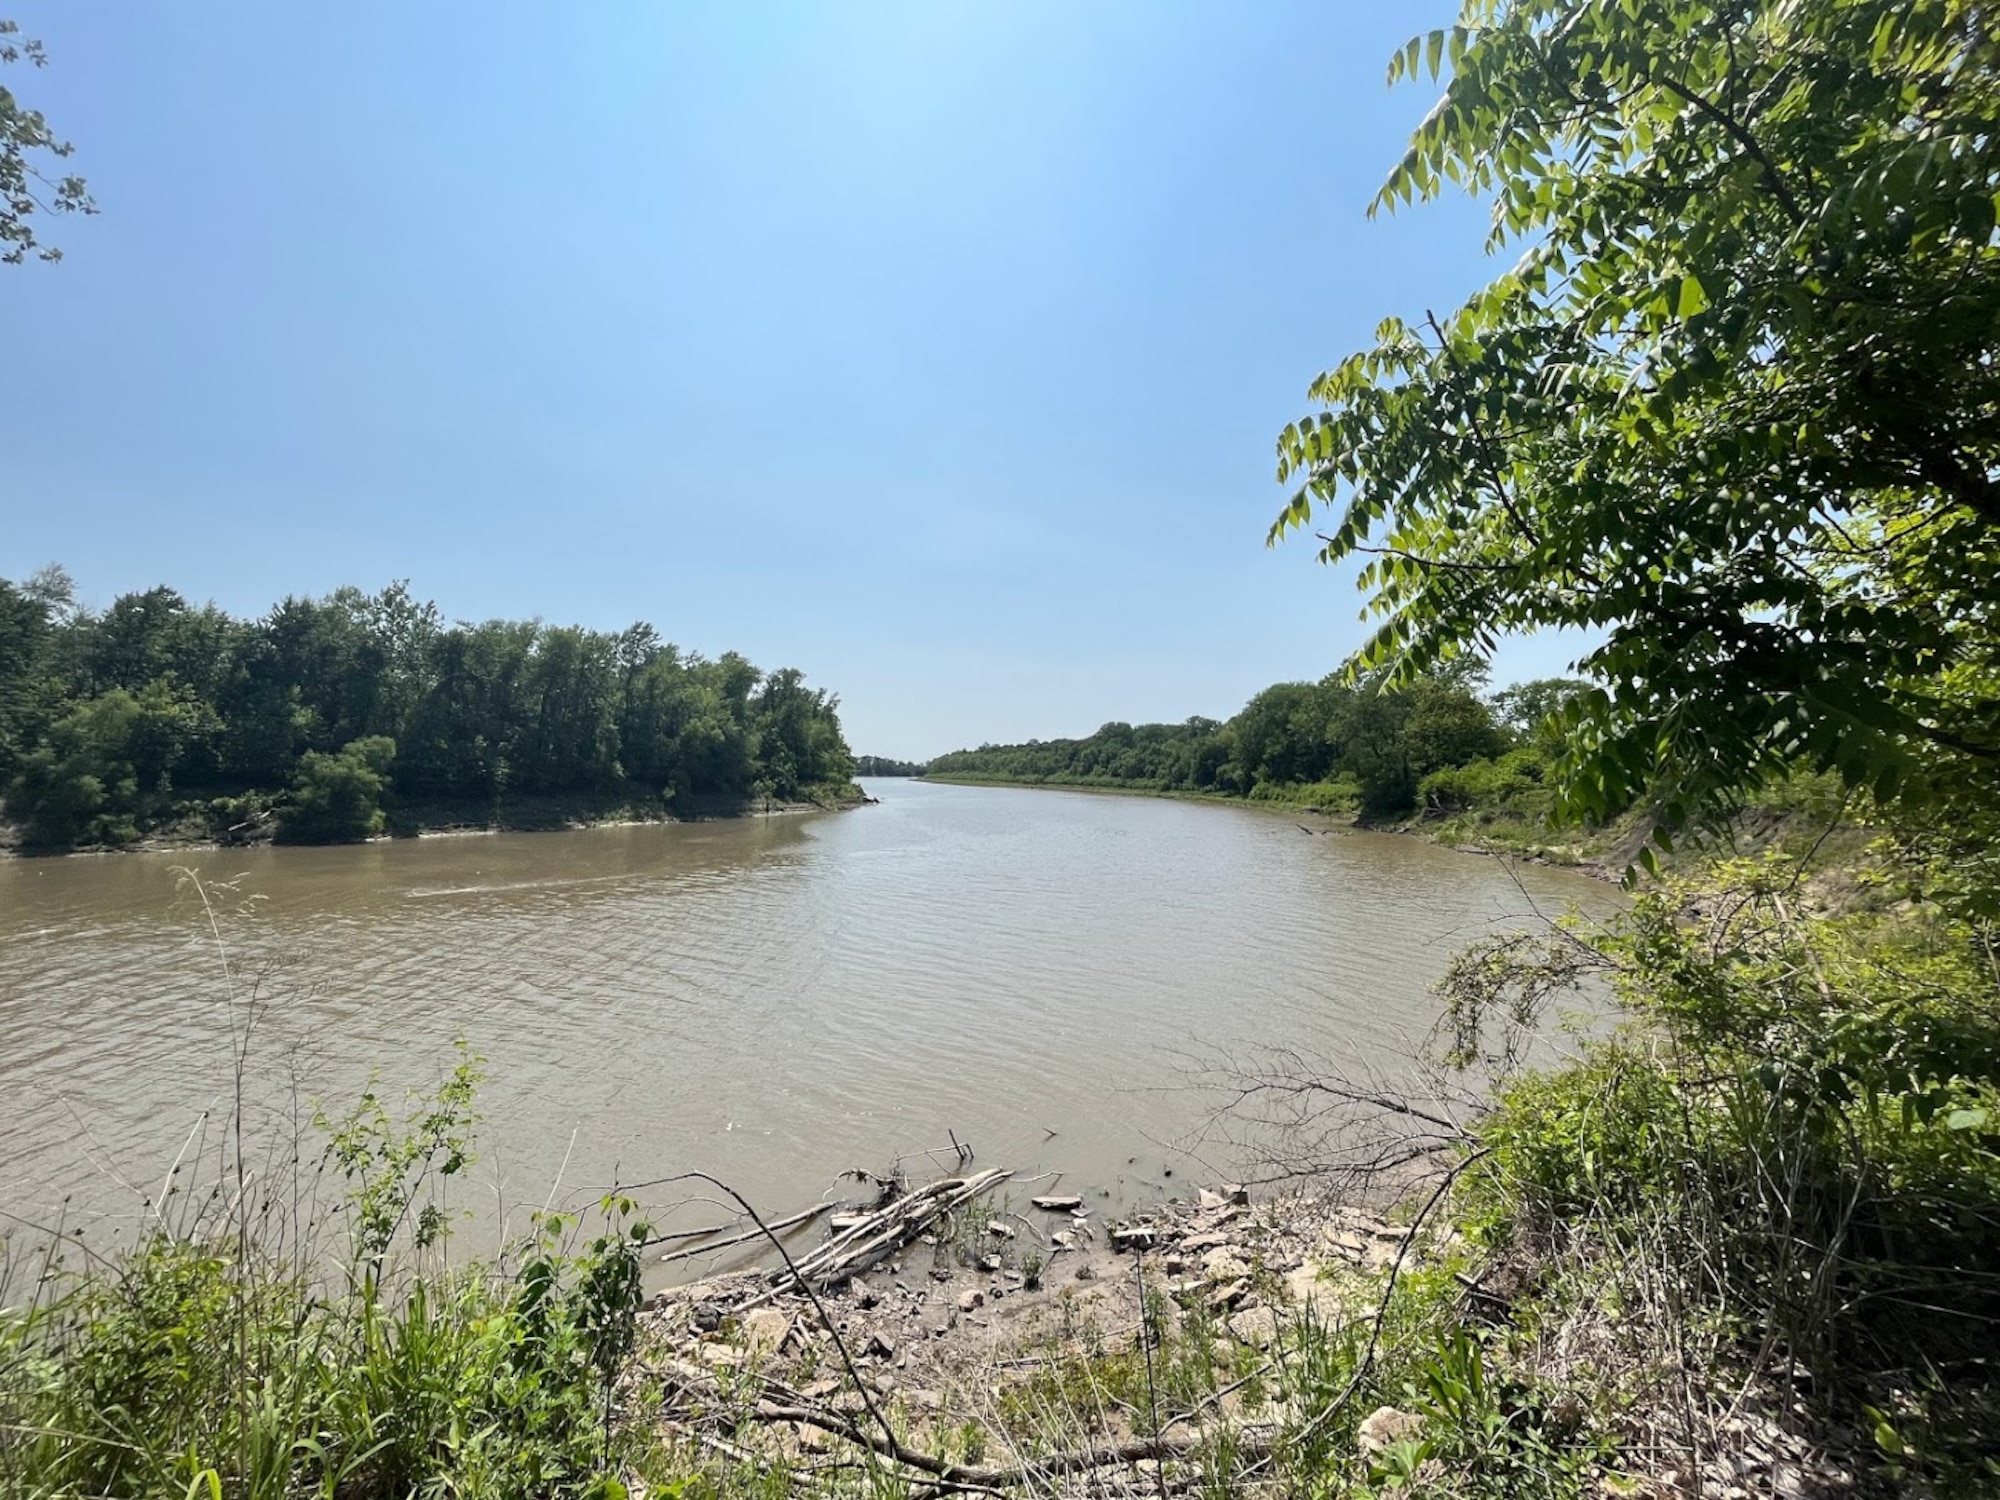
(356, 1362)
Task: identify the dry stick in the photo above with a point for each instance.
(780, 1403)
(1325, 1413)
(846, 1358)
(739, 1239)
(882, 1233)
(1146, 1344)
(960, 1476)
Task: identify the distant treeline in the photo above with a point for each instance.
(323, 709)
(1441, 745)
(881, 765)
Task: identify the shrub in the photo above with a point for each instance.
(337, 799)
(223, 1359)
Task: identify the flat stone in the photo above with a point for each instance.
(1258, 1327)
(999, 1231)
(1385, 1427)
(1058, 1203)
(969, 1300)
(1209, 1198)
(1310, 1291)
(1139, 1237)
(764, 1330)
(880, 1347)
(1224, 1265)
(1228, 1297)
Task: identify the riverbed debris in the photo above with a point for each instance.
(944, 1369)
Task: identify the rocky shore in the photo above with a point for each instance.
(1031, 1343)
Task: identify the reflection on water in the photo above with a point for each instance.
(773, 1000)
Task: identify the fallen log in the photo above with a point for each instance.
(741, 1239)
(888, 1229)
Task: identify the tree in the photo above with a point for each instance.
(88, 783)
(26, 140)
(1736, 407)
(337, 799)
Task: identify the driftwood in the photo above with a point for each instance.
(882, 1233)
(695, 1389)
(738, 1239)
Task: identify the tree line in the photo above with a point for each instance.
(326, 710)
(1440, 744)
(882, 765)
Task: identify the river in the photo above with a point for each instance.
(770, 999)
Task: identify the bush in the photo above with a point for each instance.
(103, 761)
(222, 1359)
(1797, 1136)
(337, 799)
(1507, 782)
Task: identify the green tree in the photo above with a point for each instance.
(102, 761)
(1736, 407)
(27, 146)
(337, 799)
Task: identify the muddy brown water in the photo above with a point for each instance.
(773, 1000)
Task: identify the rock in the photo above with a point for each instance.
(707, 1317)
(1063, 1241)
(880, 1346)
(1345, 1243)
(1209, 1198)
(1229, 1297)
(940, 1273)
(867, 1297)
(923, 1400)
(1258, 1327)
(1237, 1194)
(1139, 1237)
(1175, 1265)
(1000, 1231)
(968, 1301)
(1086, 1273)
(990, 1263)
(1224, 1265)
(1310, 1292)
(764, 1330)
(1058, 1203)
(1385, 1427)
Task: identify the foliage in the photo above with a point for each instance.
(337, 799)
(210, 1361)
(25, 140)
(103, 762)
(1734, 407)
(110, 721)
(882, 765)
(1330, 744)
(1798, 1130)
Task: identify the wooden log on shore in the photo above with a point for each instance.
(882, 1233)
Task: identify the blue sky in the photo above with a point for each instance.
(937, 349)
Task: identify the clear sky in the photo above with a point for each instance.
(937, 349)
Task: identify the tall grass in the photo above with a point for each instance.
(291, 1324)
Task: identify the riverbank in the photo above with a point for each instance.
(1297, 1345)
(253, 819)
(1602, 854)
